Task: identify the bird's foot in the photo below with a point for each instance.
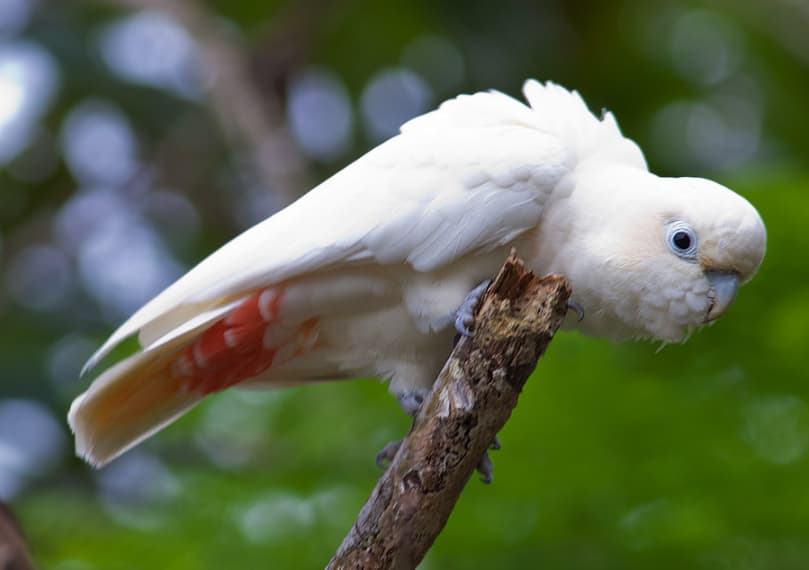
(411, 401)
(571, 304)
(485, 466)
(387, 453)
(465, 315)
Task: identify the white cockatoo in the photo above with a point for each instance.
(365, 275)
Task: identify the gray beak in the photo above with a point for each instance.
(724, 286)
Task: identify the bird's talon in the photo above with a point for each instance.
(387, 453)
(496, 445)
(486, 468)
(465, 316)
(571, 304)
(411, 402)
(463, 331)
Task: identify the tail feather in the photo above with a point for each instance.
(129, 402)
(144, 393)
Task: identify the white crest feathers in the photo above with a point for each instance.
(551, 109)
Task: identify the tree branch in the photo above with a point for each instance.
(469, 404)
(251, 121)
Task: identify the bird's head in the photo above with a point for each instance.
(660, 256)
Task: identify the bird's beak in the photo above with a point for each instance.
(724, 286)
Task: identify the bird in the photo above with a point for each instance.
(377, 269)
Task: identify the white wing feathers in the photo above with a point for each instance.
(468, 177)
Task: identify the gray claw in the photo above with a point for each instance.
(465, 315)
(486, 468)
(411, 402)
(571, 304)
(388, 453)
(496, 445)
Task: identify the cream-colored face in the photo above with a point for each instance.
(660, 261)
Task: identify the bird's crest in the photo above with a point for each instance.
(551, 108)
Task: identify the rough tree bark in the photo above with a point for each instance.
(471, 401)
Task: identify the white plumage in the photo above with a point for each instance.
(363, 275)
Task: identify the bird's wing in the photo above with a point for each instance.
(465, 179)
(468, 177)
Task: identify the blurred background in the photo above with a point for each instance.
(136, 136)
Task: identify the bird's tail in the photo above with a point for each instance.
(142, 394)
(125, 405)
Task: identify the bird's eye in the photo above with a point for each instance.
(682, 239)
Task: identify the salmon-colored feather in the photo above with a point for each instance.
(149, 390)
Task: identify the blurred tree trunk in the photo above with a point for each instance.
(13, 551)
(252, 121)
(470, 402)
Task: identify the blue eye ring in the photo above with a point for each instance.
(682, 240)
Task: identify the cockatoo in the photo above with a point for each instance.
(367, 274)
